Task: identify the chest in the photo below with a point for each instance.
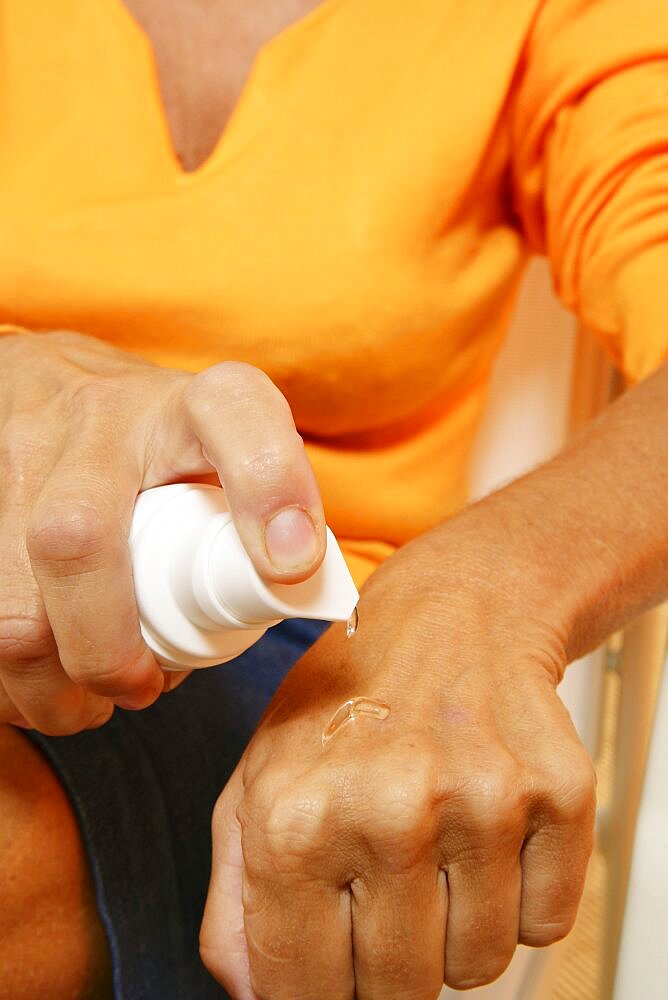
(203, 51)
(349, 233)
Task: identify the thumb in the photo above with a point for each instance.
(222, 937)
(243, 426)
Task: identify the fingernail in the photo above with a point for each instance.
(291, 540)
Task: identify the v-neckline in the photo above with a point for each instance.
(139, 39)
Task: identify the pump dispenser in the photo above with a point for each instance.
(201, 601)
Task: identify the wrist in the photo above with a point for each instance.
(581, 541)
(471, 575)
(516, 546)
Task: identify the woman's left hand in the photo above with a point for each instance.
(422, 847)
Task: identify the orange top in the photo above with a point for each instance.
(361, 227)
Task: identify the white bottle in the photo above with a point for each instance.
(200, 599)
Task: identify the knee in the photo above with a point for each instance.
(51, 939)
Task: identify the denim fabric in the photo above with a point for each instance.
(143, 788)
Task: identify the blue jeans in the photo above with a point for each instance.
(143, 788)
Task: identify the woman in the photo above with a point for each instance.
(342, 197)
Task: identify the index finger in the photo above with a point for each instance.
(246, 430)
(285, 894)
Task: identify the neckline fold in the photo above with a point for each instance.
(140, 41)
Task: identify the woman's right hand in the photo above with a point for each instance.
(84, 428)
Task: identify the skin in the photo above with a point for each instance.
(203, 52)
(427, 844)
(430, 846)
(46, 888)
(84, 429)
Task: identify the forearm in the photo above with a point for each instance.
(588, 531)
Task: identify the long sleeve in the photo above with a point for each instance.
(590, 140)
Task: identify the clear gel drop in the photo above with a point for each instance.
(353, 709)
(352, 624)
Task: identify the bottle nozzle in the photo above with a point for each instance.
(328, 594)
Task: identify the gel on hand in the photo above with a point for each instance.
(201, 601)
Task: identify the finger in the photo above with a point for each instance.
(222, 935)
(555, 858)
(44, 698)
(288, 953)
(79, 552)
(484, 915)
(291, 891)
(35, 689)
(245, 428)
(8, 710)
(398, 935)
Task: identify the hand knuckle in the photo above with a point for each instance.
(495, 800)
(92, 396)
(569, 787)
(112, 678)
(578, 797)
(225, 381)
(64, 725)
(231, 383)
(260, 792)
(238, 376)
(295, 823)
(24, 637)
(401, 819)
(405, 803)
(67, 532)
(66, 714)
